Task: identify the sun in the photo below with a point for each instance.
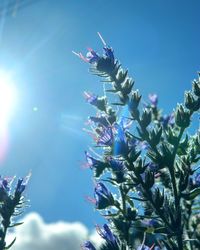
(8, 102)
(8, 98)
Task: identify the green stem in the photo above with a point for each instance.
(179, 232)
(157, 210)
(145, 132)
(189, 213)
(124, 209)
(123, 199)
(173, 179)
(172, 172)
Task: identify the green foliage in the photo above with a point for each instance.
(162, 177)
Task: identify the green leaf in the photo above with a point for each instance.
(192, 195)
(161, 230)
(10, 245)
(195, 208)
(111, 90)
(137, 199)
(118, 104)
(16, 224)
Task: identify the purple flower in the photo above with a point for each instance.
(107, 235)
(125, 123)
(91, 98)
(5, 183)
(139, 191)
(103, 197)
(117, 165)
(143, 247)
(105, 137)
(153, 167)
(118, 168)
(109, 53)
(120, 132)
(96, 165)
(120, 141)
(99, 102)
(88, 246)
(21, 184)
(91, 57)
(133, 143)
(196, 181)
(101, 120)
(167, 120)
(153, 98)
(143, 145)
(150, 222)
(91, 161)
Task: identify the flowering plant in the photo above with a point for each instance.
(12, 203)
(146, 173)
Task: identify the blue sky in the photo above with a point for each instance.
(158, 41)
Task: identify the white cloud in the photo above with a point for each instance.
(35, 234)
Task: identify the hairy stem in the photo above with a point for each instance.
(179, 232)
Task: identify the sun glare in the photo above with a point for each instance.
(8, 96)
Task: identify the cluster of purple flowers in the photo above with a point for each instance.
(11, 203)
(107, 235)
(147, 158)
(93, 57)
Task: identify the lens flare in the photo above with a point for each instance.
(8, 98)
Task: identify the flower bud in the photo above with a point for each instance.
(121, 76)
(139, 167)
(131, 213)
(108, 236)
(134, 100)
(99, 102)
(182, 117)
(88, 246)
(103, 196)
(153, 98)
(155, 135)
(149, 179)
(127, 86)
(171, 136)
(158, 198)
(146, 118)
(190, 102)
(196, 88)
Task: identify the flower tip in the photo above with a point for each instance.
(80, 55)
(27, 178)
(100, 36)
(86, 95)
(90, 49)
(75, 53)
